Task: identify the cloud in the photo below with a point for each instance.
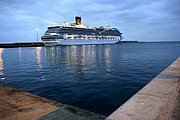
(138, 19)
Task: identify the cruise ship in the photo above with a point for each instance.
(79, 34)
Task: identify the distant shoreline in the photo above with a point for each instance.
(128, 42)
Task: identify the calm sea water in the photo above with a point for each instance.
(98, 78)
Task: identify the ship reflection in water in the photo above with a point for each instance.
(38, 56)
(78, 59)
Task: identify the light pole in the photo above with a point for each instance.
(37, 30)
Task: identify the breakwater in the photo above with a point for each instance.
(37, 44)
(128, 42)
(27, 44)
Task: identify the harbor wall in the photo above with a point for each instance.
(28, 44)
(156, 100)
(19, 105)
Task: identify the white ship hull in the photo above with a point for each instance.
(80, 42)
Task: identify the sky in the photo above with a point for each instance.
(141, 20)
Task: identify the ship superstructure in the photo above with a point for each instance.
(79, 34)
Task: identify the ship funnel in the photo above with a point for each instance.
(78, 20)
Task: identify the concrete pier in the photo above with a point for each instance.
(19, 105)
(156, 101)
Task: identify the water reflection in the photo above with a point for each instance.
(107, 54)
(20, 55)
(38, 57)
(1, 64)
(78, 59)
(39, 64)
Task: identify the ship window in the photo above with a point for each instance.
(52, 30)
(60, 37)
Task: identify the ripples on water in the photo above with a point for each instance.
(98, 78)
